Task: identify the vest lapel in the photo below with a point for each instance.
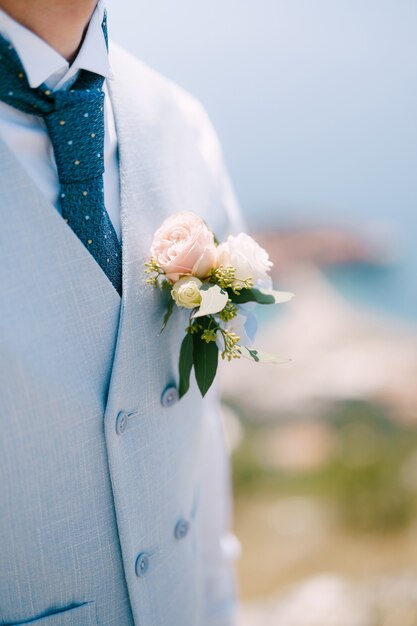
(56, 298)
(153, 185)
(141, 213)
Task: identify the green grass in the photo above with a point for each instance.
(364, 478)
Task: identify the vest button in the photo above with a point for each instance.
(169, 396)
(181, 529)
(121, 422)
(142, 564)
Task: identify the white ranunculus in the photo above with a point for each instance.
(186, 292)
(248, 258)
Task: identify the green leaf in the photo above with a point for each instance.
(261, 296)
(185, 364)
(213, 300)
(251, 295)
(205, 356)
(170, 308)
(279, 296)
(261, 357)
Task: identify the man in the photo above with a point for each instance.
(114, 493)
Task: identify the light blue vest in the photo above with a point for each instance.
(103, 502)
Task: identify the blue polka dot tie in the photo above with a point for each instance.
(75, 123)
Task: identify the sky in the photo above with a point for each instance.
(314, 101)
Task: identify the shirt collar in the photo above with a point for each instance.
(43, 64)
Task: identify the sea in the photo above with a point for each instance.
(384, 290)
(387, 288)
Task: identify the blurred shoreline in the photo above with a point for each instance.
(366, 267)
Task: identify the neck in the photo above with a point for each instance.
(61, 23)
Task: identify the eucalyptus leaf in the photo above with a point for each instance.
(170, 308)
(279, 296)
(251, 295)
(261, 357)
(205, 357)
(261, 296)
(213, 300)
(185, 364)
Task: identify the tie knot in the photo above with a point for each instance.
(76, 99)
(16, 91)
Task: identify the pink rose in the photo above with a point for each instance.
(183, 246)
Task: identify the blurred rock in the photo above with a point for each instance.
(321, 247)
(324, 600)
(330, 600)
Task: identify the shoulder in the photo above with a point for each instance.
(166, 127)
(156, 98)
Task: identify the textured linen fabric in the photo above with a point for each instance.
(81, 502)
(26, 134)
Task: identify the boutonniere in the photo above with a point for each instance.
(219, 283)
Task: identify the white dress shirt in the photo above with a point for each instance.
(26, 135)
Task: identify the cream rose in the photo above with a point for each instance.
(184, 246)
(248, 258)
(186, 292)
